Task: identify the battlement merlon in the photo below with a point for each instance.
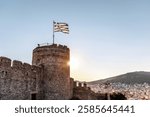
(77, 84)
(15, 64)
(42, 53)
(59, 47)
(5, 62)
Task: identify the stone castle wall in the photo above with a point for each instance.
(19, 80)
(47, 79)
(82, 92)
(54, 59)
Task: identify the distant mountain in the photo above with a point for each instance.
(128, 78)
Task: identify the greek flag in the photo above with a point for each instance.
(61, 27)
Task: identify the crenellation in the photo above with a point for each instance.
(85, 85)
(5, 62)
(75, 84)
(48, 77)
(71, 86)
(65, 47)
(27, 66)
(60, 46)
(17, 64)
(53, 45)
(53, 48)
(80, 84)
(17, 81)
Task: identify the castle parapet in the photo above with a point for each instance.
(80, 84)
(84, 85)
(17, 64)
(27, 66)
(5, 62)
(53, 47)
(74, 84)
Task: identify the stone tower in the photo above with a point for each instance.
(56, 71)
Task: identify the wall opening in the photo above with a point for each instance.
(33, 96)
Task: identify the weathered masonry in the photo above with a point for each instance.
(48, 78)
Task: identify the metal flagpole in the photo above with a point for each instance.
(53, 32)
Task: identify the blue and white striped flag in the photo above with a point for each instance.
(61, 27)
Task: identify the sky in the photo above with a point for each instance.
(107, 37)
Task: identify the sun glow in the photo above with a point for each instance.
(74, 63)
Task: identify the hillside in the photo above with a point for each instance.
(128, 78)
